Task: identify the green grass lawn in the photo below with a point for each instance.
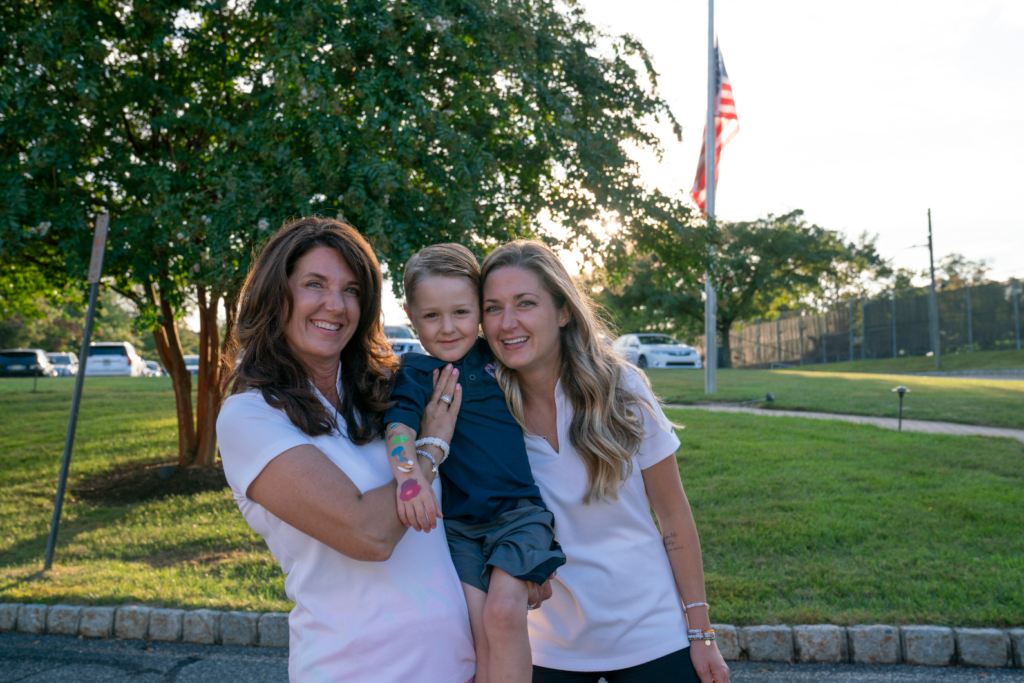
(981, 360)
(801, 521)
(997, 403)
(804, 521)
(185, 551)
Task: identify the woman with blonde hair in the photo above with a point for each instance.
(629, 605)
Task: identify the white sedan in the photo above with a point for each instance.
(657, 351)
(403, 339)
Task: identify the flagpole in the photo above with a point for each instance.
(710, 154)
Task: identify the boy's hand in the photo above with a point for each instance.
(417, 505)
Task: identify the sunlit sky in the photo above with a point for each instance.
(863, 114)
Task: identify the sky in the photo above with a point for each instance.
(864, 115)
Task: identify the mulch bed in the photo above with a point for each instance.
(139, 483)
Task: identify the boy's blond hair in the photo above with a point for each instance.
(447, 260)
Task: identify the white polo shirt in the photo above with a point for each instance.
(404, 619)
(615, 604)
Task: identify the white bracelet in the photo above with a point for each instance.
(695, 604)
(429, 457)
(434, 441)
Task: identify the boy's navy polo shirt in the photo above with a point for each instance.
(487, 470)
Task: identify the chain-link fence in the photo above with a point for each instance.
(982, 317)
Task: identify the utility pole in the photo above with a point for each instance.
(710, 152)
(933, 300)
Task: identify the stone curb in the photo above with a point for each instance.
(824, 643)
(137, 622)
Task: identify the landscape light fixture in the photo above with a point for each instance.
(901, 390)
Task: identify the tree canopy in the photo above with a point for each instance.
(200, 126)
(759, 268)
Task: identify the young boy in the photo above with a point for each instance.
(499, 532)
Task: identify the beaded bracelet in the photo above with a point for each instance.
(698, 634)
(429, 457)
(695, 604)
(434, 441)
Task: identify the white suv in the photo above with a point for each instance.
(114, 358)
(657, 351)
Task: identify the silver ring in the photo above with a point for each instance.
(447, 399)
(530, 607)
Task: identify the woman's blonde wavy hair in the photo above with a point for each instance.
(607, 426)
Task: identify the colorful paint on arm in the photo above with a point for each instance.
(404, 464)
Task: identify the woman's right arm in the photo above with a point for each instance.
(304, 489)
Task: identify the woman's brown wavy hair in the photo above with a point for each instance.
(262, 359)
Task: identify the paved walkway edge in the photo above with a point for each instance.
(925, 426)
(816, 643)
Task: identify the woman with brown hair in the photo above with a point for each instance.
(300, 439)
(630, 599)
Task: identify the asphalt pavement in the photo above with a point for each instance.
(56, 659)
(27, 658)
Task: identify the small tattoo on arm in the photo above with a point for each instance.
(410, 489)
(670, 542)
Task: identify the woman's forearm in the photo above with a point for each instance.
(679, 533)
(304, 489)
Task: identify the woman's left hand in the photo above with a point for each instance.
(538, 593)
(708, 662)
(439, 415)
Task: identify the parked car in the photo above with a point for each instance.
(114, 358)
(66, 364)
(657, 351)
(192, 364)
(25, 363)
(153, 369)
(403, 339)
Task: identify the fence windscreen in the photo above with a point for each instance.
(984, 317)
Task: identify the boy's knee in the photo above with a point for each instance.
(503, 614)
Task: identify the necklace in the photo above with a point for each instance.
(534, 427)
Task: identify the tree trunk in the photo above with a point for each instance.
(724, 327)
(168, 345)
(209, 391)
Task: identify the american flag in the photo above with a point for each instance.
(726, 127)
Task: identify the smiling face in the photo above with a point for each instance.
(325, 307)
(521, 320)
(446, 313)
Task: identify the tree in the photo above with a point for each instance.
(760, 268)
(59, 328)
(199, 125)
(959, 271)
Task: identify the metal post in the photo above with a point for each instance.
(894, 349)
(933, 300)
(778, 337)
(99, 243)
(710, 178)
(900, 429)
(849, 307)
(800, 322)
(1016, 311)
(970, 325)
(863, 331)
